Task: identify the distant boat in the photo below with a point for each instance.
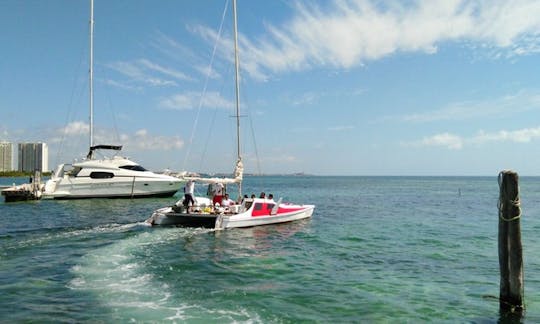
(213, 213)
(109, 176)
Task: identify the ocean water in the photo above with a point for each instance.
(377, 250)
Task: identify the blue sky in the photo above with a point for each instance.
(350, 87)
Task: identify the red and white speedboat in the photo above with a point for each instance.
(251, 212)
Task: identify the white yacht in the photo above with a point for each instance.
(106, 177)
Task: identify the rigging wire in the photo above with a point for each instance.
(210, 128)
(70, 107)
(112, 111)
(205, 85)
(254, 139)
(246, 106)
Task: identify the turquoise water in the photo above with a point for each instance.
(377, 249)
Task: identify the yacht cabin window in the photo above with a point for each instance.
(133, 167)
(101, 175)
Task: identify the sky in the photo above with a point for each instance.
(345, 87)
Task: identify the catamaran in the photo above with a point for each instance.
(106, 176)
(210, 213)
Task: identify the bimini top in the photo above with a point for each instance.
(102, 147)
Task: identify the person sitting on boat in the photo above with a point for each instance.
(263, 195)
(271, 197)
(226, 201)
(189, 189)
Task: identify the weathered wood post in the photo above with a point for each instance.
(510, 248)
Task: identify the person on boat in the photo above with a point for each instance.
(263, 195)
(271, 197)
(189, 190)
(217, 193)
(226, 201)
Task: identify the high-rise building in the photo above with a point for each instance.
(6, 156)
(33, 156)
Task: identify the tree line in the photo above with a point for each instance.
(20, 174)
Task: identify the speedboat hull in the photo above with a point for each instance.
(232, 221)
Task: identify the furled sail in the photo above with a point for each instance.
(238, 176)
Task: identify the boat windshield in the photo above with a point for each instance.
(133, 167)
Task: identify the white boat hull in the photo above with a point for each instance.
(232, 221)
(76, 188)
(108, 178)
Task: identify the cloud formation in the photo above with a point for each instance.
(149, 73)
(75, 128)
(142, 139)
(456, 142)
(349, 33)
(191, 100)
(499, 106)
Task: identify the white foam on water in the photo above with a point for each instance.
(117, 274)
(40, 239)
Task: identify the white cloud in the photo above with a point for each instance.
(121, 85)
(456, 142)
(171, 47)
(142, 139)
(518, 136)
(348, 33)
(149, 73)
(494, 107)
(447, 140)
(141, 132)
(207, 71)
(166, 71)
(192, 100)
(76, 128)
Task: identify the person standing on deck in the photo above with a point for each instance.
(189, 190)
(217, 193)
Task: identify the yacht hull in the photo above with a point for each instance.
(66, 196)
(119, 183)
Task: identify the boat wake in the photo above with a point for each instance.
(123, 276)
(40, 237)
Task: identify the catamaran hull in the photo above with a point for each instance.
(181, 219)
(167, 216)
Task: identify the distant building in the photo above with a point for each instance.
(33, 156)
(6, 156)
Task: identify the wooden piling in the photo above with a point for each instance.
(510, 247)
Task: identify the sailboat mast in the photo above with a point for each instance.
(237, 81)
(91, 73)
